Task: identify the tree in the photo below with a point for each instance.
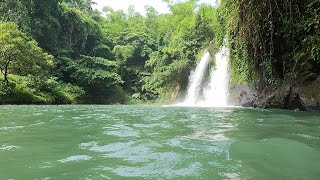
(17, 11)
(94, 72)
(82, 4)
(19, 54)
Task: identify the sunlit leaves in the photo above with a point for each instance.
(19, 54)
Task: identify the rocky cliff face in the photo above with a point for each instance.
(289, 95)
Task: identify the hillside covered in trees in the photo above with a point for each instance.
(63, 51)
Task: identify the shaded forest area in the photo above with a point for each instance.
(63, 51)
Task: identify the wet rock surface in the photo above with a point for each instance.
(289, 95)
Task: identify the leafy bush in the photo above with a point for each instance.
(24, 90)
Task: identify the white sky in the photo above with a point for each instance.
(160, 6)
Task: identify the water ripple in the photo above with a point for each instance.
(121, 131)
(149, 142)
(76, 158)
(111, 147)
(11, 128)
(9, 147)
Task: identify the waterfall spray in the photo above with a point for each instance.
(196, 80)
(215, 91)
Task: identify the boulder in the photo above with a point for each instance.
(302, 96)
(242, 95)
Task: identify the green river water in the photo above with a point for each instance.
(152, 142)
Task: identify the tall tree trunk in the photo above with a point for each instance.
(6, 80)
(6, 73)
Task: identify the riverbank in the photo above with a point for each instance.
(288, 95)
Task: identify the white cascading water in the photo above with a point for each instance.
(195, 81)
(215, 91)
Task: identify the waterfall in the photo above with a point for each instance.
(196, 80)
(215, 91)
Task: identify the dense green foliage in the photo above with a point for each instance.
(19, 55)
(119, 57)
(28, 67)
(273, 41)
(62, 51)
